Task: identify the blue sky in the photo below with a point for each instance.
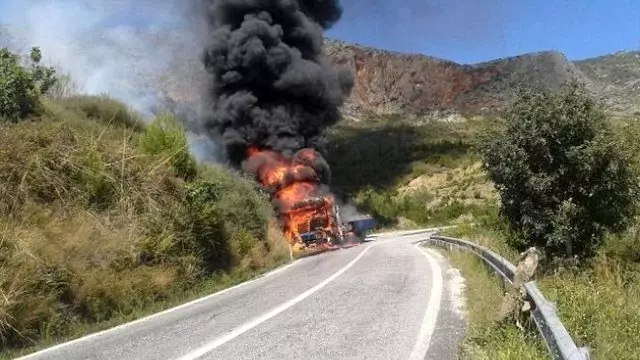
(470, 31)
(467, 31)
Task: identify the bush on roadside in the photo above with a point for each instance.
(64, 87)
(562, 180)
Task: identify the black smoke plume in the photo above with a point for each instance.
(271, 85)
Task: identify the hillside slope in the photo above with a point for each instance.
(618, 78)
(103, 220)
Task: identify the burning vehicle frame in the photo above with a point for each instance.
(324, 226)
(308, 212)
(272, 95)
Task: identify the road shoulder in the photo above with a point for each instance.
(451, 324)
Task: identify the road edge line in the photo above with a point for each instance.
(433, 308)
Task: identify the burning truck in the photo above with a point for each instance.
(308, 212)
(271, 97)
(322, 225)
(316, 223)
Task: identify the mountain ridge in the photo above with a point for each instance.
(392, 82)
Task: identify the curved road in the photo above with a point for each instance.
(385, 299)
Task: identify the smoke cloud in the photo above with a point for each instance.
(271, 86)
(114, 47)
(349, 212)
(145, 53)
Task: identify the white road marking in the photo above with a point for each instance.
(268, 315)
(165, 312)
(433, 309)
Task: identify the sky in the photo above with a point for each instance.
(470, 31)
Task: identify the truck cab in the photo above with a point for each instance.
(315, 220)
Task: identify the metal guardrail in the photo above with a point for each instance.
(559, 343)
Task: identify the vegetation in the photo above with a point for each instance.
(562, 181)
(597, 303)
(21, 86)
(596, 298)
(484, 339)
(103, 218)
(409, 173)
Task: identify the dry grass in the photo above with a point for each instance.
(95, 229)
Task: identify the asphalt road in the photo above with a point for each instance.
(385, 299)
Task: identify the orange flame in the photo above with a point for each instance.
(296, 192)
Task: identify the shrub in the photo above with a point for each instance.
(64, 87)
(165, 137)
(21, 85)
(562, 180)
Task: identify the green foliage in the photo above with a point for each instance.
(388, 206)
(224, 212)
(22, 85)
(357, 153)
(404, 150)
(599, 306)
(44, 77)
(563, 181)
(166, 137)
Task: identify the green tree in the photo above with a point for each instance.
(21, 85)
(563, 181)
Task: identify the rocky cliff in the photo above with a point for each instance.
(388, 82)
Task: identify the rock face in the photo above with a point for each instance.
(617, 79)
(388, 82)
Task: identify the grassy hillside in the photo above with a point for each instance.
(103, 219)
(425, 172)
